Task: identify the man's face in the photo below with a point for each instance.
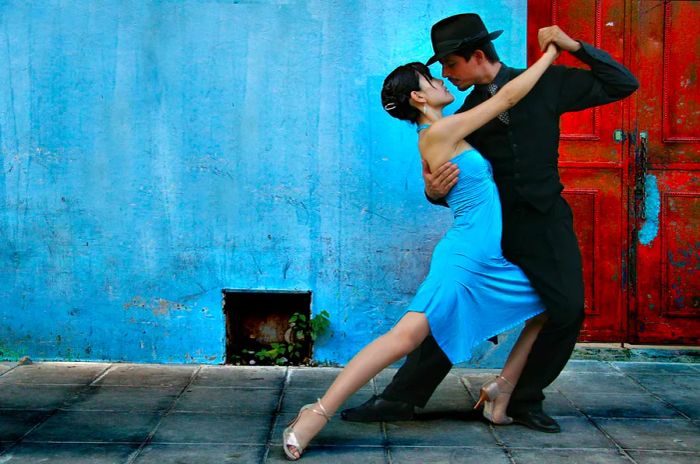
(461, 72)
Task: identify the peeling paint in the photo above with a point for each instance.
(159, 306)
(652, 206)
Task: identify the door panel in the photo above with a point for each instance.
(668, 208)
(594, 195)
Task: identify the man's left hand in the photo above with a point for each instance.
(554, 34)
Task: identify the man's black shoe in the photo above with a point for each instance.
(377, 409)
(536, 420)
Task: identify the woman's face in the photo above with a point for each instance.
(435, 92)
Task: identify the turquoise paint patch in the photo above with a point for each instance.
(652, 205)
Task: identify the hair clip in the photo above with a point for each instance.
(390, 106)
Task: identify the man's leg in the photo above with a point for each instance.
(552, 262)
(419, 376)
(550, 353)
(412, 385)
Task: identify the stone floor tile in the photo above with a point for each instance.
(185, 427)
(556, 404)
(240, 376)
(14, 424)
(687, 402)
(682, 391)
(594, 382)
(568, 456)
(664, 457)
(147, 375)
(336, 433)
(235, 410)
(624, 406)
(663, 384)
(53, 373)
(95, 426)
(48, 397)
(653, 434)
(295, 398)
(657, 368)
(440, 432)
(68, 453)
(447, 455)
(227, 400)
(6, 366)
(466, 372)
(584, 365)
(119, 398)
(575, 432)
(332, 454)
(318, 378)
(200, 454)
(449, 397)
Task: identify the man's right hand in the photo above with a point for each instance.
(439, 183)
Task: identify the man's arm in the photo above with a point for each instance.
(606, 82)
(438, 184)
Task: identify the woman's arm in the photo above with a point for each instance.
(452, 129)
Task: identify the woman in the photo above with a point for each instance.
(471, 292)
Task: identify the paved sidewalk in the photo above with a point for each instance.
(190, 414)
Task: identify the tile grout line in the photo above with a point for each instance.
(619, 448)
(276, 415)
(135, 454)
(654, 395)
(382, 427)
(101, 375)
(51, 413)
(10, 370)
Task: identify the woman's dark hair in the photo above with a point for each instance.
(397, 88)
(488, 49)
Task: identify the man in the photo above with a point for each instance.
(538, 235)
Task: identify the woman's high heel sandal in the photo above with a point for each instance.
(289, 439)
(487, 396)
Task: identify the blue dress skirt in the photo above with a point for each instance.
(471, 292)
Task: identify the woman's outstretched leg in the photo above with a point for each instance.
(506, 381)
(403, 338)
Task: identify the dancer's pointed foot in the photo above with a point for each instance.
(303, 428)
(495, 396)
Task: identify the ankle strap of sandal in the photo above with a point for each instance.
(323, 411)
(507, 381)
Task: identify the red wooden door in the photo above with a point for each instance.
(593, 166)
(636, 203)
(666, 231)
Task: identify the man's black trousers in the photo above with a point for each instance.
(545, 247)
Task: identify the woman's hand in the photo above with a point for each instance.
(554, 35)
(438, 184)
(552, 50)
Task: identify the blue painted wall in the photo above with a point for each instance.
(155, 153)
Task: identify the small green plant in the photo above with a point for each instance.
(294, 350)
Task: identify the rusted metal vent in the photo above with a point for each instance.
(258, 330)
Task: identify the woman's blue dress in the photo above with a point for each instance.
(471, 292)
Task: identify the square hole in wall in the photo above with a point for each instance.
(258, 320)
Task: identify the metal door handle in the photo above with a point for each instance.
(641, 162)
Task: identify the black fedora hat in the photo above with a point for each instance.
(456, 32)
